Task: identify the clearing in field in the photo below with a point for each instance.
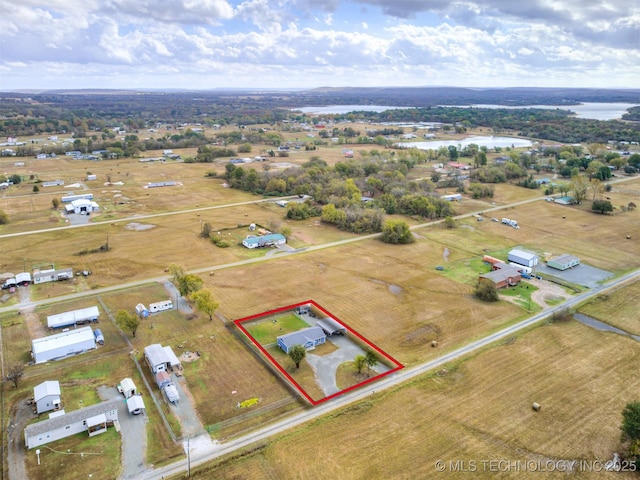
(330, 353)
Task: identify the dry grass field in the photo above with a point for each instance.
(477, 409)
(619, 309)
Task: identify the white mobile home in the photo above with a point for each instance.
(160, 306)
(62, 345)
(46, 396)
(93, 419)
(51, 275)
(75, 317)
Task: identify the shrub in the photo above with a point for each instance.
(487, 292)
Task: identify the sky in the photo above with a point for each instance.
(300, 44)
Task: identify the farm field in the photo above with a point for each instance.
(619, 309)
(473, 410)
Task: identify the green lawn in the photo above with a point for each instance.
(521, 294)
(268, 330)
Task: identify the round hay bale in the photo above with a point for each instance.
(536, 406)
(434, 343)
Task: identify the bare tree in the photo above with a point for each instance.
(15, 374)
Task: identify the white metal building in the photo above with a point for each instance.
(62, 345)
(47, 396)
(522, 257)
(160, 359)
(82, 206)
(75, 317)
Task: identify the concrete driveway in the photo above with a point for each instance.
(133, 430)
(326, 366)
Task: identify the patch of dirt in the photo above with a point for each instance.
(547, 291)
(422, 336)
(138, 227)
(188, 357)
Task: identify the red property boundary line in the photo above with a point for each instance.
(239, 322)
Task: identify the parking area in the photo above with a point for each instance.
(582, 274)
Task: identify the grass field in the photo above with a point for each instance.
(265, 331)
(619, 309)
(477, 409)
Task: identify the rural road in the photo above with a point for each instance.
(392, 380)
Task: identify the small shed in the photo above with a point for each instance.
(142, 311)
(47, 396)
(135, 404)
(522, 257)
(127, 387)
(563, 262)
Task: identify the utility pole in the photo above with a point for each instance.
(188, 457)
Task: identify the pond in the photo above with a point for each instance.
(481, 141)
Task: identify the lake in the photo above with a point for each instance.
(489, 142)
(595, 111)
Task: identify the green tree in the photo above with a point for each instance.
(579, 187)
(55, 203)
(177, 272)
(631, 430)
(36, 189)
(206, 230)
(602, 206)
(396, 232)
(359, 363)
(189, 283)
(205, 302)
(297, 354)
(127, 321)
(371, 360)
(4, 218)
(449, 222)
(487, 292)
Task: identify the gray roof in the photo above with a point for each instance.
(522, 254)
(156, 354)
(301, 336)
(502, 274)
(50, 387)
(72, 417)
(565, 258)
(134, 402)
(330, 325)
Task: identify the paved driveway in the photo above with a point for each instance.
(326, 366)
(133, 430)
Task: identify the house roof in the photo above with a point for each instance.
(72, 417)
(272, 237)
(156, 354)
(301, 336)
(50, 387)
(502, 274)
(173, 360)
(565, 258)
(72, 337)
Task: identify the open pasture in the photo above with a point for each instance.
(619, 308)
(474, 410)
(390, 294)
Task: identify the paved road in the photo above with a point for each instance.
(217, 451)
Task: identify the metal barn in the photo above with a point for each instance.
(62, 345)
(522, 257)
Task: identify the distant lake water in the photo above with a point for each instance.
(595, 111)
(489, 142)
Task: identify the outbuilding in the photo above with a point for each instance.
(74, 317)
(46, 396)
(142, 311)
(522, 257)
(160, 359)
(127, 387)
(309, 338)
(62, 345)
(563, 262)
(135, 404)
(331, 326)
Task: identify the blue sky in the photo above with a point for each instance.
(202, 44)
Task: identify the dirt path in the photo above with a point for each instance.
(28, 310)
(547, 291)
(16, 454)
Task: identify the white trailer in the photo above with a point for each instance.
(160, 306)
(75, 317)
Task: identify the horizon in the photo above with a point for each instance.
(300, 44)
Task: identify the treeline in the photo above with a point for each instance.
(353, 195)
